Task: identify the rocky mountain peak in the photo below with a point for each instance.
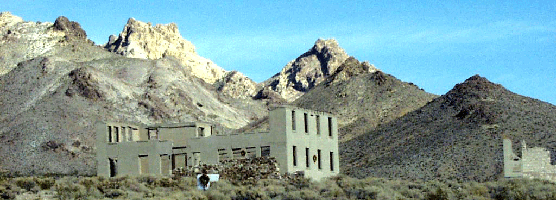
(328, 48)
(475, 99)
(478, 82)
(21, 40)
(307, 71)
(7, 19)
(143, 40)
(475, 87)
(71, 28)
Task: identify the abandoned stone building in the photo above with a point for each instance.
(299, 139)
(534, 162)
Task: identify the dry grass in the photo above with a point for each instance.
(340, 187)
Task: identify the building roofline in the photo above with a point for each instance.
(299, 108)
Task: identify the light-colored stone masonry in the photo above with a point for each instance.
(299, 139)
(534, 162)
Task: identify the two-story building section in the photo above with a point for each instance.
(299, 139)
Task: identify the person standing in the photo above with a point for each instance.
(204, 180)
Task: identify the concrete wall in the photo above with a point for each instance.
(123, 157)
(534, 163)
(512, 163)
(310, 132)
(158, 149)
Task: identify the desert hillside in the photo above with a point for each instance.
(457, 136)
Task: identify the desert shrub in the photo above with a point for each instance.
(275, 190)
(7, 191)
(166, 182)
(133, 185)
(110, 184)
(329, 188)
(224, 187)
(68, 188)
(474, 189)
(217, 195)
(522, 189)
(147, 179)
(89, 182)
(190, 195)
(45, 183)
(302, 194)
(250, 192)
(539, 189)
(26, 183)
(299, 182)
(438, 194)
(114, 193)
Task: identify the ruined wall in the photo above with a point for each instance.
(534, 163)
(512, 163)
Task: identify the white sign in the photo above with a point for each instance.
(212, 178)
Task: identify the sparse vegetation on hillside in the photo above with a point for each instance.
(341, 187)
(457, 136)
(361, 99)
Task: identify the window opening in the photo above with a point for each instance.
(196, 158)
(330, 126)
(223, 155)
(294, 156)
(153, 134)
(265, 151)
(129, 134)
(143, 164)
(109, 133)
(307, 157)
(179, 160)
(238, 153)
(251, 152)
(117, 134)
(293, 120)
(319, 160)
(318, 125)
(331, 161)
(201, 132)
(165, 164)
(124, 134)
(305, 121)
(113, 167)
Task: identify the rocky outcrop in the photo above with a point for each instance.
(72, 29)
(142, 40)
(7, 19)
(350, 68)
(308, 70)
(20, 40)
(237, 85)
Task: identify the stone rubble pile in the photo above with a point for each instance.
(238, 170)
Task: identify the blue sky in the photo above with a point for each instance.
(434, 44)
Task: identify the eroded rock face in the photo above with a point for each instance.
(71, 28)
(308, 70)
(350, 68)
(20, 40)
(7, 19)
(142, 40)
(237, 85)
